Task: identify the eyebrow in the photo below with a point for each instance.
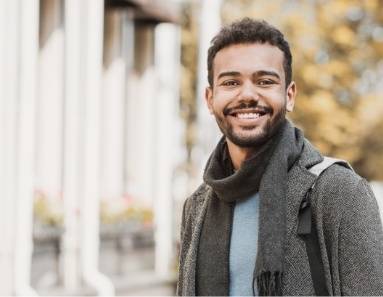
(266, 73)
(257, 73)
(229, 73)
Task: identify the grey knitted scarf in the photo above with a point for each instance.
(265, 172)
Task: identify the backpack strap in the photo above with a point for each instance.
(307, 228)
(304, 227)
(326, 163)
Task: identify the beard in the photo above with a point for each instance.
(249, 141)
(270, 128)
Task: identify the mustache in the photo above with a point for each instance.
(266, 109)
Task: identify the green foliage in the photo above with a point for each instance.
(48, 211)
(125, 210)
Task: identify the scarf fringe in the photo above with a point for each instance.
(270, 284)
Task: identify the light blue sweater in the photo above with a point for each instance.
(243, 246)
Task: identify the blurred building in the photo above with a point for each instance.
(90, 138)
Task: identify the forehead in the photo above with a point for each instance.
(249, 58)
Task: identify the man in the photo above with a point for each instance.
(239, 232)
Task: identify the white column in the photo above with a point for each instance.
(131, 115)
(112, 144)
(167, 59)
(145, 146)
(90, 242)
(18, 54)
(146, 114)
(50, 101)
(72, 128)
(208, 132)
(26, 145)
(9, 29)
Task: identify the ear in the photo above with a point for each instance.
(290, 96)
(209, 99)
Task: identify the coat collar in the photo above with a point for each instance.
(300, 179)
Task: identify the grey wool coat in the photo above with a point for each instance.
(348, 223)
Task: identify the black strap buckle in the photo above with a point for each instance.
(304, 225)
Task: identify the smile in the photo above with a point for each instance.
(248, 115)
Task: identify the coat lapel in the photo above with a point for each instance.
(191, 257)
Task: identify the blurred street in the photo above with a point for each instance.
(145, 284)
(140, 284)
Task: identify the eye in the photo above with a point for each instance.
(266, 82)
(230, 83)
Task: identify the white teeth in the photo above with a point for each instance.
(248, 115)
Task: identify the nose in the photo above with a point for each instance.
(248, 92)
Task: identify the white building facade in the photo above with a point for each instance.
(89, 95)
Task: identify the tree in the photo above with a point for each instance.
(337, 51)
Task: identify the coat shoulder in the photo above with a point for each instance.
(341, 179)
(340, 189)
(350, 227)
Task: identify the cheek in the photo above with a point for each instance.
(277, 102)
(223, 100)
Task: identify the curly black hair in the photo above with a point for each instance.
(249, 31)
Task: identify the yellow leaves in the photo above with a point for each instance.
(337, 68)
(327, 76)
(333, 120)
(339, 131)
(343, 35)
(333, 12)
(333, 43)
(370, 110)
(342, 75)
(371, 4)
(323, 101)
(328, 125)
(310, 74)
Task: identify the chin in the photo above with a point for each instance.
(248, 141)
(251, 137)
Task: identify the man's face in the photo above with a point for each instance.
(249, 98)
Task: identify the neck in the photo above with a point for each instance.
(239, 154)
